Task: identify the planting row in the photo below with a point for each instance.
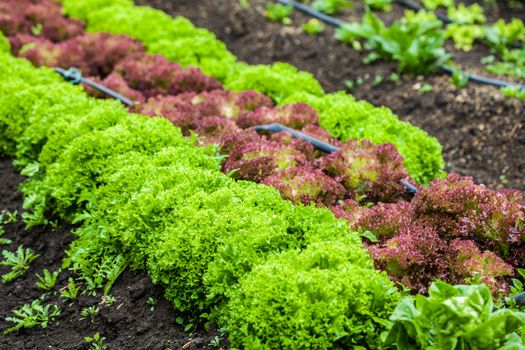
(343, 117)
(275, 274)
(470, 228)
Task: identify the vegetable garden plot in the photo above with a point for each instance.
(97, 189)
(479, 129)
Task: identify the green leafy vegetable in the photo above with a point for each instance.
(455, 317)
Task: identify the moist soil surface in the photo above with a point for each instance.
(482, 132)
(128, 323)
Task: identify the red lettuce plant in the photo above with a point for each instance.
(154, 75)
(257, 159)
(495, 219)
(295, 116)
(305, 185)
(103, 51)
(367, 169)
(43, 52)
(43, 18)
(415, 257)
(468, 260)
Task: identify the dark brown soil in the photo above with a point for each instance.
(482, 132)
(127, 324)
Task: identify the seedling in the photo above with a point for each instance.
(378, 79)
(3, 240)
(394, 77)
(89, 312)
(313, 27)
(48, 280)
(71, 291)
(459, 79)
(96, 342)
(152, 302)
(425, 88)
(32, 315)
(8, 217)
(279, 13)
(19, 262)
(109, 300)
(244, 3)
(216, 342)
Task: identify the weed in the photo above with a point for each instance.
(216, 342)
(459, 79)
(71, 291)
(48, 280)
(96, 342)
(19, 262)
(425, 88)
(109, 300)
(279, 13)
(89, 312)
(152, 302)
(32, 315)
(313, 27)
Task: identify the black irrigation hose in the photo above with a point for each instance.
(320, 145)
(74, 76)
(447, 69)
(483, 79)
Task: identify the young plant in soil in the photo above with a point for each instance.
(32, 315)
(19, 262)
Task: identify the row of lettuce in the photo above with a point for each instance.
(454, 230)
(275, 274)
(340, 114)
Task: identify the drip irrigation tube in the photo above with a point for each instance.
(74, 76)
(444, 68)
(320, 145)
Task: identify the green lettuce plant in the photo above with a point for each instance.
(455, 317)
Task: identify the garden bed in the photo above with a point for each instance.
(482, 132)
(144, 196)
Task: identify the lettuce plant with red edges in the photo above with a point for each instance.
(494, 219)
(454, 217)
(286, 138)
(154, 75)
(42, 18)
(414, 257)
(304, 185)
(295, 116)
(222, 132)
(468, 260)
(257, 159)
(103, 51)
(42, 52)
(367, 169)
(184, 110)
